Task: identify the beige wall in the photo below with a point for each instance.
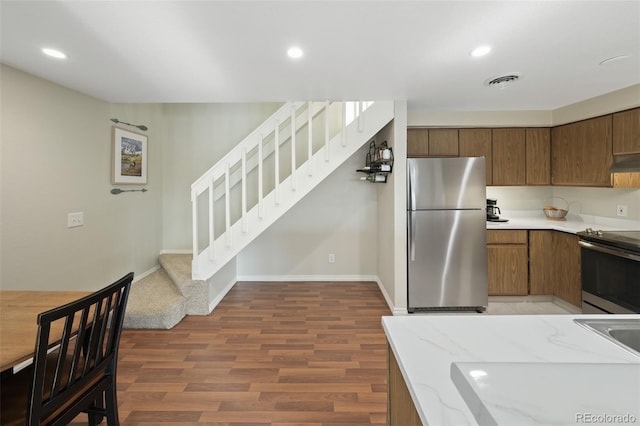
(611, 102)
(197, 136)
(56, 159)
(338, 216)
(392, 222)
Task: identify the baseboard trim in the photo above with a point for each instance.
(146, 273)
(566, 305)
(269, 278)
(394, 310)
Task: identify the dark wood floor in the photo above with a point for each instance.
(270, 353)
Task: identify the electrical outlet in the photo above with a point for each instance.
(332, 258)
(622, 210)
(75, 219)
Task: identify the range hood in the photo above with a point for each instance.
(625, 163)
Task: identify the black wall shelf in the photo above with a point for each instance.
(378, 163)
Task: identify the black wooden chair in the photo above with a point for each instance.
(78, 374)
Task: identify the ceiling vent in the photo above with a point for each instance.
(502, 80)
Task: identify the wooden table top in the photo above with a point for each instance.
(18, 314)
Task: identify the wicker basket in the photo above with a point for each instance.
(555, 213)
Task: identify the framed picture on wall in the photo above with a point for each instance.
(129, 157)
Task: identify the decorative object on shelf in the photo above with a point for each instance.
(116, 191)
(129, 157)
(554, 213)
(139, 126)
(378, 163)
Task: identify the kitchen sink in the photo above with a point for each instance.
(623, 332)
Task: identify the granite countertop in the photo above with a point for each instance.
(534, 219)
(540, 369)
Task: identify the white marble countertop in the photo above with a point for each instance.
(534, 219)
(427, 347)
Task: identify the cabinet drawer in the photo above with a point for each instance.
(507, 236)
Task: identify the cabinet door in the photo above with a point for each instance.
(443, 142)
(626, 132)
(507, 269)
(477, 143)
(568, 284)
(417, 142)
(582, 153)
(597, 150)
(508, 150)
(538, 156)
(564, 155)
(541, 262)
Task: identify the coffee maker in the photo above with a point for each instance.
(493, 211)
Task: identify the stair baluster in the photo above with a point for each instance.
(293, 149)
(310, 138)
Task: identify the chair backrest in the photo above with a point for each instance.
(76, 351)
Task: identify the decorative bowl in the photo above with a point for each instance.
(554, 213)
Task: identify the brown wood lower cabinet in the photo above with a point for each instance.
(541, 262)
(401, 409)
(507, 255)
(568, 279)
(554, 266)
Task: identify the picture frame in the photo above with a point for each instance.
(129, 155)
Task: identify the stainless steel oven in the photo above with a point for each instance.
(610, 271)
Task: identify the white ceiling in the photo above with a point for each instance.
(234, 51)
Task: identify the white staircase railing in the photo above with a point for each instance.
(270, 170)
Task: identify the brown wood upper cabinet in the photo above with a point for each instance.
(432, 142)
(626, 132)
(582, 153)
(477, 143)
(509, 156)
(538, 156)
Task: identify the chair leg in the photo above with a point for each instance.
(111, 403)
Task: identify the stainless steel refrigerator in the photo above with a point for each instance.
(446, 235)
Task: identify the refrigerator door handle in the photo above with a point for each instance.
(410, 194)
(412, 238)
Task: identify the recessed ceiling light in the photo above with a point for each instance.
(614, 59)
(480, 51)
(54, 53)
(295, 52)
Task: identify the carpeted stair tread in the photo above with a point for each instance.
(154, 302)
(178, 267)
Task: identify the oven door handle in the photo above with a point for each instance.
(607, 250)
